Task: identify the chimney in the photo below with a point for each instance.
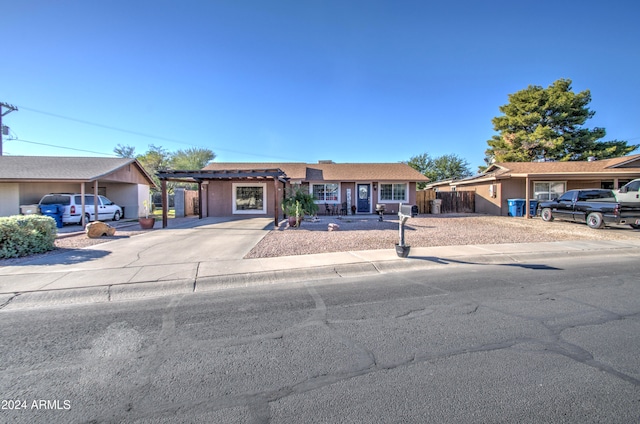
(591, 159)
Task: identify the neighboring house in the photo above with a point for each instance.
(25, 179)
(257, 189)
(540, 180)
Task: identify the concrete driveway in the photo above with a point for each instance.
(168, 254)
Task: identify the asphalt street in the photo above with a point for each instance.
(553, 340)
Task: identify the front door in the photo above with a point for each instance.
(364, 198)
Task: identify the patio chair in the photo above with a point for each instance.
(343, 209)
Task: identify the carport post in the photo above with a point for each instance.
(82, 205)
(95, 201)
(527, 194)
(199, 199)
(165, 202)
(275, 202)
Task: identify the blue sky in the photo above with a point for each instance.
(350, 81)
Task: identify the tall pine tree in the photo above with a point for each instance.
(547, 123)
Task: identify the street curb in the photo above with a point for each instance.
(155, 288)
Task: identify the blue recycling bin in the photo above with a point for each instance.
(55, 211)
(533, 207)
(516, 207)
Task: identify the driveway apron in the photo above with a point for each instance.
(167, 254)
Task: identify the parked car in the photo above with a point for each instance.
(595, 207)
(72, 203)
(629, 193)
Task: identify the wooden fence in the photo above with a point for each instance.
(452, 201)
(191, 202)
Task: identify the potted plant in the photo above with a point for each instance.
(145, 222)
(298, 204)
(294, 214)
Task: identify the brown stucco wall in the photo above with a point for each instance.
(219, 198)
(573, 184)
(484, 202)
(343, 194)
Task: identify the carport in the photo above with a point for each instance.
(203, 177)
(25, 179)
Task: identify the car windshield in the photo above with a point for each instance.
(567, 197)
(106, 201)
(54, 199)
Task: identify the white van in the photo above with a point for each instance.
(72, 203)
(629, 193)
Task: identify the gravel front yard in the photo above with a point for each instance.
(365, 234)
(440, 230)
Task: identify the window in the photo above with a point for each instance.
(249, 198)
(548, 190)
(596, 196)
(88, 200)
(634, 186)
(325, 192)
(392, 192)
(52, 199)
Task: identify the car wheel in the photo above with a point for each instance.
(594, 220)
(546, 215)
(116, 216)
(87, 218)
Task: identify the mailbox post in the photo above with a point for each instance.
(405, 212)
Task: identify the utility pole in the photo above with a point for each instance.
(10, 108)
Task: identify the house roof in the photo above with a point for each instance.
(621, 164)
(62, 168)
(625, 167)
(331, 171)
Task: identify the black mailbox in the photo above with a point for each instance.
(409, 210)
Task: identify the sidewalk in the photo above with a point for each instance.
(206, 255)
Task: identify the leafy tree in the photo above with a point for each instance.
(421, 163)
(155, 159)
(441, 168)
(125, 151)
(191, 159)
(541, 123)
(158, 158)
(449, 166)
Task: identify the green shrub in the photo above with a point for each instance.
(23, 235)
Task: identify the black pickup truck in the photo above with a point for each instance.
(597, 207)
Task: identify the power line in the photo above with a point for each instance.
(141, 134)
(109, 127)
(62, 147)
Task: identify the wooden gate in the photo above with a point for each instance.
(452, 201)
(423, 198)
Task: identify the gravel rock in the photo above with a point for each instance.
(425, 231)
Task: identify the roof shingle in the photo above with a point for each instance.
(58, 168)
(331, 171)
